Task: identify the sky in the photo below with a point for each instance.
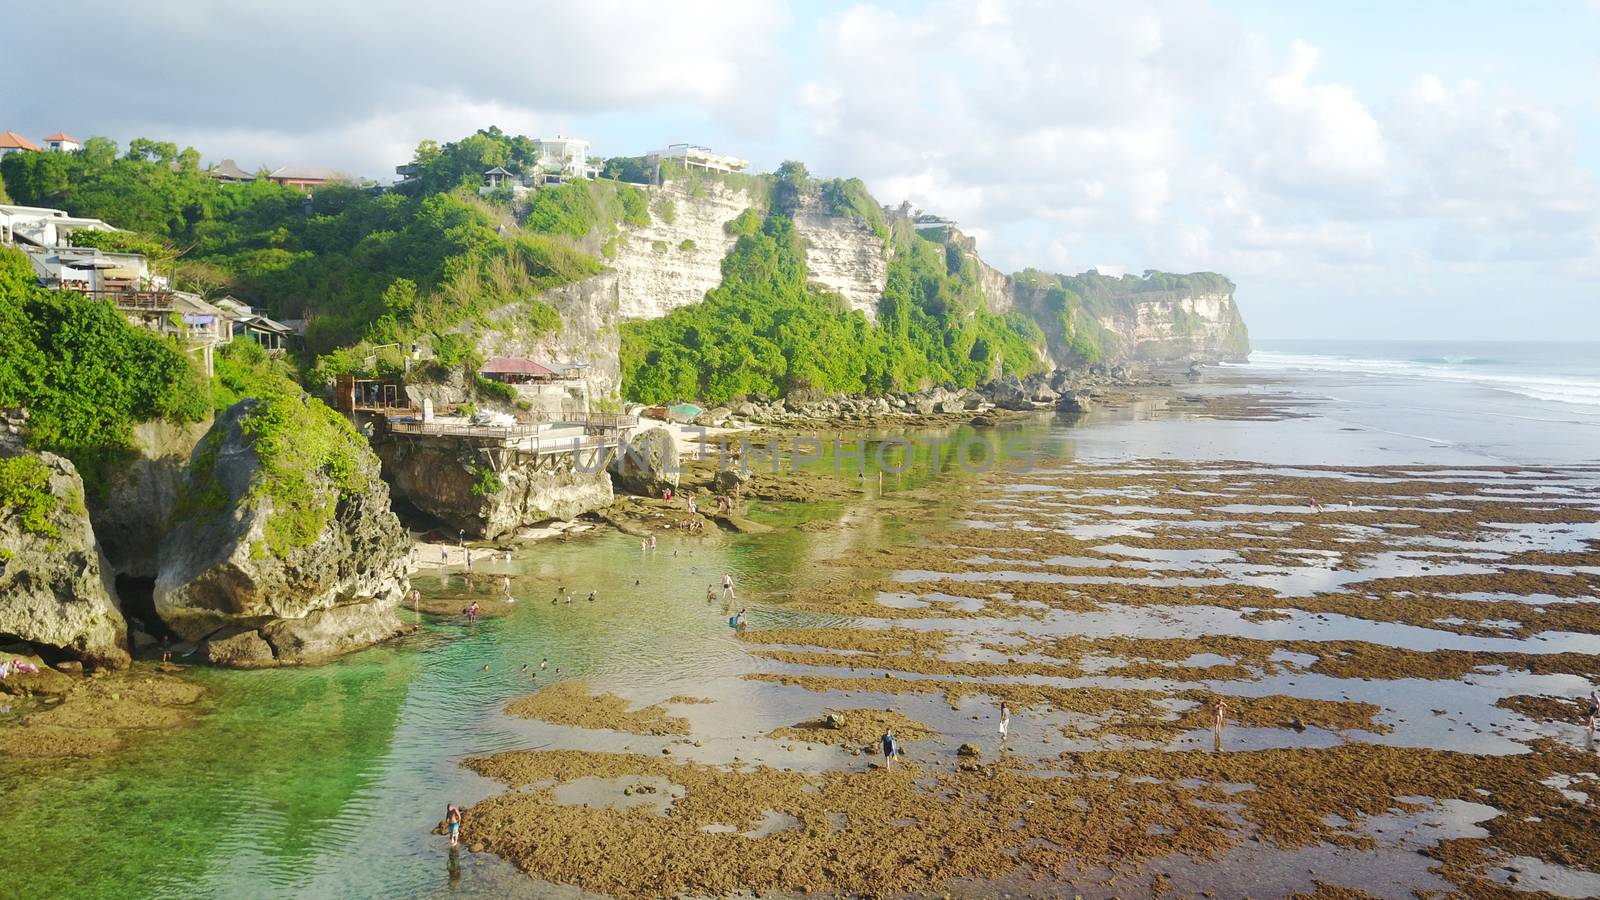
(1360, 169)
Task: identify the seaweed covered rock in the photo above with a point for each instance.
(283, 527)
(55, 592)
(648, 465)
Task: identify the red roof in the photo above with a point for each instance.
(513, 365)
(10, 140)
(63, 136)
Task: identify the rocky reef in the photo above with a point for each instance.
(285, 533)
(55, 590)
(488, 498)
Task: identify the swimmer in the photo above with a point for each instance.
(591, 596)
(543, 663)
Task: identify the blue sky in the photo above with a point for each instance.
(1360, 169)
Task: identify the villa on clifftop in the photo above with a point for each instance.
(696, 158)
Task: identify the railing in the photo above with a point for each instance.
(527, 438)
(152, 301)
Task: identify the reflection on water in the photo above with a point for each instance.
(327, 781)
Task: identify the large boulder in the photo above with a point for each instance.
(1075, 403)
(55, 591)
(649, 464)
(283, 517)
(457, 485)
(141, 492)
(1008, 393)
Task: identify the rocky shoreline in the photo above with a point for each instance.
(1064, 390)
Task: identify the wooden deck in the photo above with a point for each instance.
(563, 435)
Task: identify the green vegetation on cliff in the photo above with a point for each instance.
(85, 375)
(25, 493)
(765, 331)
(1078, 305)
(297, 439)
(363, 264)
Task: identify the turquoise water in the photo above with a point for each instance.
(326, 781)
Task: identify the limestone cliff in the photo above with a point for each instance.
(489, 497)
(55, 591)
(671, 262)
(654, 269)
(844, 254)
(141, 492)
(1154, 318)
(224, 571)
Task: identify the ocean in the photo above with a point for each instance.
(1512, 402)
(332, 777)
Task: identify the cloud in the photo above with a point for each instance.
(369, 78)
(1171, 135)
(1061, 133)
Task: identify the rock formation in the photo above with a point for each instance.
(141, 492)
(55, 592)
(454, 483)
(222, 571)
(654, 269)
(649, 465)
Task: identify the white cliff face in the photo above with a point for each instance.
(1167, 326)
(845, 255)
(672, 263)
(590, 310)
(674, 260)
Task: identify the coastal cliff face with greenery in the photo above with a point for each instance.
(704, 286)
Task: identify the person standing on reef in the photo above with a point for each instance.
(1005, 720)
(711, 592)
(471, 611)
(1219, 713)
(727, 585)
(1594, 712)
(452, 824)
(505, 588)
(891, 749)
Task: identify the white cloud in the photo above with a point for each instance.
(294, 72)
(1168, 134)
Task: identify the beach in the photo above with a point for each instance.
(1392, 581)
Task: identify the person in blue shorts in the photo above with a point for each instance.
(891, 749)
(452, 824)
